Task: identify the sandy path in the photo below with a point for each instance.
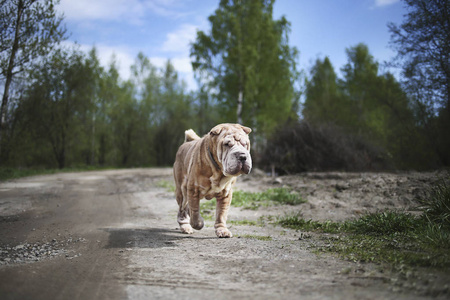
(112, 235)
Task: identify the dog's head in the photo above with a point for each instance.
(231, 146)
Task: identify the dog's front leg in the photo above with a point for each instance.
(196, 220)
(223, 204)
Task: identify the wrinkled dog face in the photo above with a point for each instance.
(233, 151)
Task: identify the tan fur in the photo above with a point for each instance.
(197, 176)
(190, 135)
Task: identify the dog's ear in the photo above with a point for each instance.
(216, 129)
(247, 130)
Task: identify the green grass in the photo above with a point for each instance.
(253, 201)
(436, 207)
(245, 222)
(393, 237)
(168, 185)
(14, 173)
(256, 237)
(296, 221)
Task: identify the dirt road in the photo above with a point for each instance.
(113, 235)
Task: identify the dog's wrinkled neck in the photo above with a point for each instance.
(211, 156)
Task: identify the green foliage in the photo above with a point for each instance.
(367, 104)
(425, 70)
(29, 31)
(70, 111)
(73, 112)
(324, 101)
(246, 60)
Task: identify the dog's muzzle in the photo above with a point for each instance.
(237, 160)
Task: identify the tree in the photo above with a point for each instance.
(56, 103)
(359, 86)
(246, 61)
(29, 30)
(422, 42)
(324, 102)
(366, 104)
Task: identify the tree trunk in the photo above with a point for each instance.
(9, 71)
(93, 141)
(239, 106)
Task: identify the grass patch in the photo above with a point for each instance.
(436, 207)
(393, 237)
(253, 201)
(245, 222)
(256, 237)
(14, 173)
(168, 185)
(296, 221)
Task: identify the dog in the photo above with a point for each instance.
(207, 168)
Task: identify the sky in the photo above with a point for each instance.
(164, 29)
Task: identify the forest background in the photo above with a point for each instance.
(61, 109)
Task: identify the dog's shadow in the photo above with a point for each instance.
(146, 238)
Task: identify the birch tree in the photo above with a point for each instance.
(247, 64)
(29, 30)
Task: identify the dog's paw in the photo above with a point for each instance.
(186, 228)
(223, 232)
(197, 224)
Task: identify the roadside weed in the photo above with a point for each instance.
(245, 222)
(168, 185)
(436, 207)
(270, 197)
(256, 237)
(376, 238)
(393, 237)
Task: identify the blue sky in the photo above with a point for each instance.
(163, 29)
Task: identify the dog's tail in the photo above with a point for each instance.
(190, 135)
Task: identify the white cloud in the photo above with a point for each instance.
(118, 10)
(182, 66)
(379, 3)
(179, 40)
(124, 57)
(102, 9)
(177, 48)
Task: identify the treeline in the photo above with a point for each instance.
(61, 108)
(367, 120)
(362, 121)
(73, 112)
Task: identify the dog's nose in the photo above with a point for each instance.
(242, 157)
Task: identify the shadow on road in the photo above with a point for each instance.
(145, 238)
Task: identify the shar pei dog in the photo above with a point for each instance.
(207, 168)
